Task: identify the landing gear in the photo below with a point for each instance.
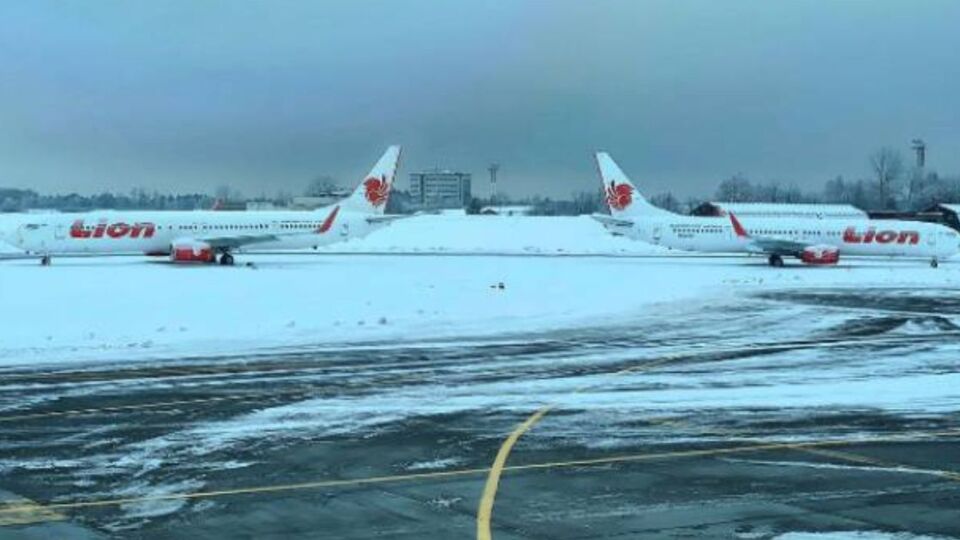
(45, 260)
(934, 263)
(776, 261)
(226, 259)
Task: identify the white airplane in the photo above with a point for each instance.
(813, 241)
(202, 236)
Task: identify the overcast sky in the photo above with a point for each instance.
(191, 94)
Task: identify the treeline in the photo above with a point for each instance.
(900, 194)
(19, 200)
(581, 202)
(915, 193)
(891, 186)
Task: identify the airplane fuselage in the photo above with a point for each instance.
(850, 236)
(154, 232)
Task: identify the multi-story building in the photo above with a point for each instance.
(440, 189)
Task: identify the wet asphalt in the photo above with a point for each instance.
(346, 442)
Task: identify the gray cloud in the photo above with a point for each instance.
(187, 95)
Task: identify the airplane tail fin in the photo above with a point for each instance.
(371, 195)
(622, 197)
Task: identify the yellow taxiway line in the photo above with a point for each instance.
(485, 509)
(24, 505)
(22, 511)
(493, 479)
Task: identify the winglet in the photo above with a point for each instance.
(737, 227)
(327, 223)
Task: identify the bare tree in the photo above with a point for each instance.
(666, 201)
(321, 185)
(588, 202)
(224, 194)
(837, 191)
(887, 166)
(771, 192)
(792, 194)
(735, 189)
(283, 197)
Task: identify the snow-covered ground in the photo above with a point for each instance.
(128, 307)
(131, 307)
(379, 346)
(845, 371)
(92, 308)
(496, 234)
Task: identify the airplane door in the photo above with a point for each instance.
(345, 229)
(657, 233)
(60, 231)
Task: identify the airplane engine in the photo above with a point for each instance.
(820, 255)
(183, 251)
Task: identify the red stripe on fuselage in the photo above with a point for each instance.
(327, 223)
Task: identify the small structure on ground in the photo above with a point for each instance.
(506, 210)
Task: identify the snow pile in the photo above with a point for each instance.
(451, 233)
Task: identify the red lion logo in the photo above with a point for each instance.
(376, 190)
(619, 196)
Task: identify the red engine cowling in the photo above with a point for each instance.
(820, 255)
(191, 252)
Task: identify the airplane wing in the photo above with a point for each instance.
(605, 219)
(614, 225)
(385, 218)
(769, 245)
(777, 246)
(239, 241)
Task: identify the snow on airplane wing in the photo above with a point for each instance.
(769, 245)
(777, 246)
(238, 241)
(614, 225)
(610, 220)
(386, 218)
